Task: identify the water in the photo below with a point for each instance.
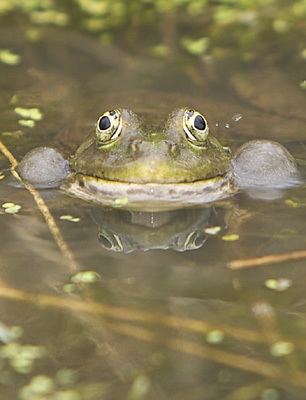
(161, 315)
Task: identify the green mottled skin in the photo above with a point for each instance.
(148, 153)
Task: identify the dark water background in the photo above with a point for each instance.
(164, 317)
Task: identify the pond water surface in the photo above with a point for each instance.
(160, 313)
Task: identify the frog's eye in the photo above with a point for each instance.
(108, 127)
(195, 127)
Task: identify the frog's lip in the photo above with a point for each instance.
(148, 196)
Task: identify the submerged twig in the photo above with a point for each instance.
(267, 260)
(135, 315)
(43, 208)
(233, 360)
(131, 315)
(206, 352)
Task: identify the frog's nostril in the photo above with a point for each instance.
(134, 146)
(174, 149)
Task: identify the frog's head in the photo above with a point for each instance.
(129, 149)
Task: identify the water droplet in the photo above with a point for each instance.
(237, 117)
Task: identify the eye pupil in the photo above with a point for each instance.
(104, 123)
(199, 123)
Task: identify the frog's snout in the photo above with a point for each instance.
(143, 148)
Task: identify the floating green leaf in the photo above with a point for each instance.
(11, 208)
(46, 17)
(42, 384)
(9, 334)
(196, 46)
(303, 84)
(29, 113)
(230, 237)
(270, 394)
(69, 218)
(8, 57)
(279, 285)
(292, 203)
(14, 134)
(69, 288)
(281, 348)
(212, 230)
(85, 277)
(28, 123)
(215, 336)
(139, 388)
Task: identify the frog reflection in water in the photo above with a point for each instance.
(180, 230)
(126, 163)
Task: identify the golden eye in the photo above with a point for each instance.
(109, 127)
(195, 127)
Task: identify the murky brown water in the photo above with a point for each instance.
(164, 318)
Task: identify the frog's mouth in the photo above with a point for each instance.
(148, 196)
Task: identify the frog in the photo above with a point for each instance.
(134, 161)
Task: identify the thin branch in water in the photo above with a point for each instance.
(43, 208)
(267, 260)
(131, 315)
(134, 315)
(263, 368)
(248, 392)
(266, 369)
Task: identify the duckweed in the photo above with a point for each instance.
(21, 357)
(139, 388)
(9, 334)
(44, 387)
(69, 218)
(14, 134)
(66, 377)
(230, 237)
(67, 395)
(69, 288)
(292, 203)
(85, 277)
(243, 23)
(196, 47)
(29, 113)
(28, 123)
(281, 348)
(278, 285)
(42, 384)
(9, 57)
(11, 208)
(215, 336)
(303, 84)
(212, 230)
(48, 17)
(270, 394)
(281, 26)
